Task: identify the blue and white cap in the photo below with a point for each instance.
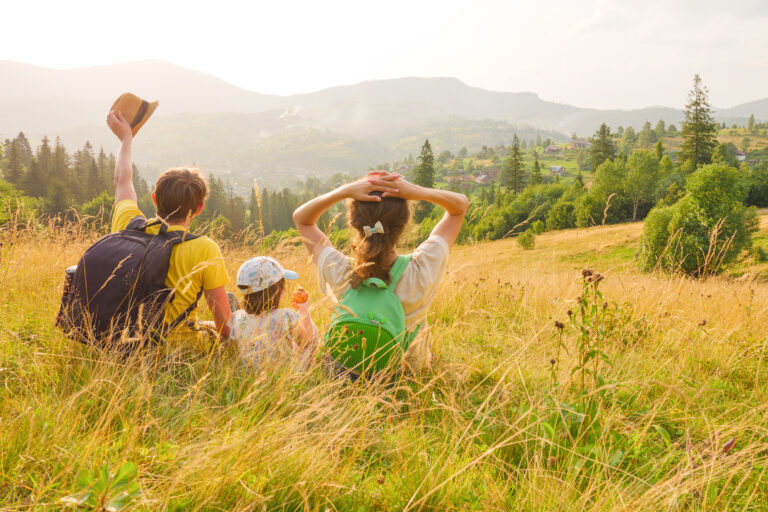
(260, 273)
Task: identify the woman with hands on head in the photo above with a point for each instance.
(378, 211)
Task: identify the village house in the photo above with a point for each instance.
(740, 155)
(557, 170)
(459, 179)
(580, 144)
(552, 149)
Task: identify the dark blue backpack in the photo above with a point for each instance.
(117, 296)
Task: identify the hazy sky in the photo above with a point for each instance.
(591, 53)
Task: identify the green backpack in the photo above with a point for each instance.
(367, 332)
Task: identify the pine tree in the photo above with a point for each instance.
(13, 166)
(751, 124)
(513, 171)
(44, 158)
(602, 148)
(25, 149)
(536, 177)
(699, 127)
(32, 183)
(102, 164)
(424, 175)
(60, 162)
(659, 150)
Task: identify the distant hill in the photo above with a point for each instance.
(216, 125)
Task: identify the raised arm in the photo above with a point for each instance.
(124, 165)
(455, 204)
(306, 216)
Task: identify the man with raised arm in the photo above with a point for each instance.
(196, 266)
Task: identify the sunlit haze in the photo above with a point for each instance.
(591, 53)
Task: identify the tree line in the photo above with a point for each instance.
(52, 182)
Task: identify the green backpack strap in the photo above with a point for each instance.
(396, 272)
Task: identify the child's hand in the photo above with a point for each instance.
(300, 300)
(302, 308)
(300, 295)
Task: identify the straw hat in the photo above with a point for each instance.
(135, 110)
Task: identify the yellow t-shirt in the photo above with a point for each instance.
(195, 264)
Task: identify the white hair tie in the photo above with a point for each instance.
(377, 229)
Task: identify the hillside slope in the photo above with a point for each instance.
(503, 421)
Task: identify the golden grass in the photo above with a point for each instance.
(687, 359)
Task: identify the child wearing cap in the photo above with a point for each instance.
(263, 331)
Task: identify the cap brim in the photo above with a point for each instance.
(290, 274)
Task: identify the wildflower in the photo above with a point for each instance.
(570, 313)
(552, 362)
(605, 305)
(598, 277)
(559, 325)
(586, 272)
(703, 323)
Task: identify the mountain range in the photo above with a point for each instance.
(206, 121)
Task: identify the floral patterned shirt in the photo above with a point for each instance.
(264, 337)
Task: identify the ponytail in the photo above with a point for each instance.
(373, 250)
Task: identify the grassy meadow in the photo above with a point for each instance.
(651, 397)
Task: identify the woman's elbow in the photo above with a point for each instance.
(463, 204)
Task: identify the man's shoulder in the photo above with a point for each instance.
(203, 242)
(200, 248)
(125, 211)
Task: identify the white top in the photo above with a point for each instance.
(264, 337)
(415, 289)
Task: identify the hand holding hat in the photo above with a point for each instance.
(128, 114)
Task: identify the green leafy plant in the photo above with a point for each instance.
(527, 240)
(102, 491)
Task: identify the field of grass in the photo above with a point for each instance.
(651, 397)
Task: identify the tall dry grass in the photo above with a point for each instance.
(678, 421)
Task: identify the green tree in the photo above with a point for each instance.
(640, 181)
(424, 175)
(44, 158)
(513, 171)
(628, 140)
(647, 136)
(705, 230)
(751, 125)
(745, 143)
(661, 129)
(536, 178)
(32, 182)
(602, 148)
(14, 166)
(699, 127)
(659, 150)
(561, 216)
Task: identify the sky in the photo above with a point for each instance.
(589, 53)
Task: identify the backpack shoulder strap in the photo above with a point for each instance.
(138, 223)
(396, 272)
